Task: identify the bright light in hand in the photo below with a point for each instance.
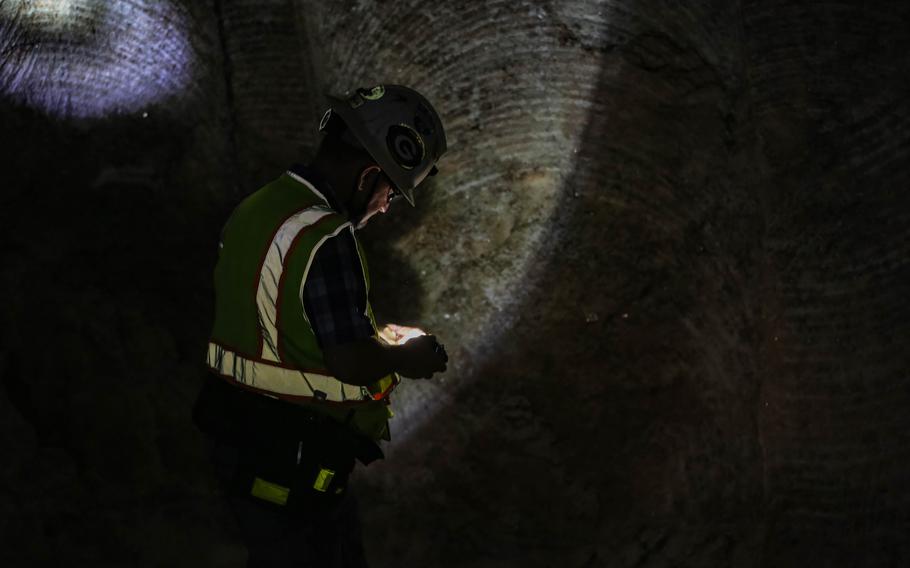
(399, 334)
(411, 335)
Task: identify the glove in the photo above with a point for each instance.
(422, 356)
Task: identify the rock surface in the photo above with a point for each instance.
(667, 252)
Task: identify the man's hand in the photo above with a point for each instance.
(366, 360)
(421, 357)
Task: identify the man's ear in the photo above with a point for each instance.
(368, 178)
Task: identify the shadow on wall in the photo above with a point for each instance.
(615, 421)
(618, 423)
(397, 296)
(109, 234)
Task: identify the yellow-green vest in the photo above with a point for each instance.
(262, 339)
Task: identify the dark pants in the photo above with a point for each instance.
(324, 536)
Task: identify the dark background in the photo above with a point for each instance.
(668, 251)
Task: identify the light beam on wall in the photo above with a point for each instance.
(93, 58)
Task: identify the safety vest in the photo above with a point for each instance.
(262, 339)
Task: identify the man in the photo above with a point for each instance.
(300, 374)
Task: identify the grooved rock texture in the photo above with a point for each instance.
(831, 101)
(667, 252)
(271, 88)
(85, 58)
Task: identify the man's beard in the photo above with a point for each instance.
(366, 185)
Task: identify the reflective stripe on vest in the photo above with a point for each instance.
(272, 269)
(279, 380)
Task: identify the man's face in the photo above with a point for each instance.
(374, 183)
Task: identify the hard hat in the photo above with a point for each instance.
(398, 127)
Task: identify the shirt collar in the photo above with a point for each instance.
(321, 184)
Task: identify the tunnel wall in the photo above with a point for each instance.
(666, 251)
(275, 99)
(109, 223)
(831, 104)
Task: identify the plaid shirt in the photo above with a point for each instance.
(335, 295)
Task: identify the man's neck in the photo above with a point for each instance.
(336, 175)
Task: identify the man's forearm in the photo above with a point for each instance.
(363, 362)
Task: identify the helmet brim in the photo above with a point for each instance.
(409, 196)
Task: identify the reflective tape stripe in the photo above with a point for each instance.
(270, 276)
(323, 479)
(282, 381)
(270, 491)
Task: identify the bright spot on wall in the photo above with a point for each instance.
(93, 58)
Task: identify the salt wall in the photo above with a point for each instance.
(667, 252)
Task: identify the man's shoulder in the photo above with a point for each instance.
(286, 196)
